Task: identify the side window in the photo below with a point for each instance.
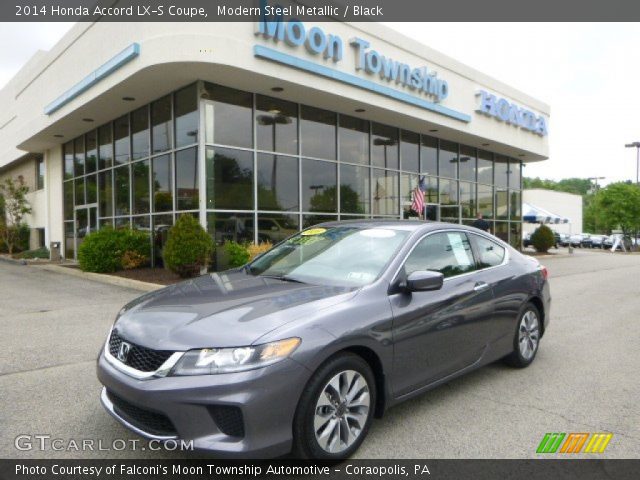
(490, 254)
(448, 253)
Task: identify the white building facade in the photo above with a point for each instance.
(260, 129)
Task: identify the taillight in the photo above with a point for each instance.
(545, 272)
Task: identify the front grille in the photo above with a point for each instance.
(140, 358)
(146, 420)
(228, 419)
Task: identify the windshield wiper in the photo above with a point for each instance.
(284, 278)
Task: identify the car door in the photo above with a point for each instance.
(509, 293)
(437, 333)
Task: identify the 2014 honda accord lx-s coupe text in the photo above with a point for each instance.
(301, 348)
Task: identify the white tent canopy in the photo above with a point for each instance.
(533, 214)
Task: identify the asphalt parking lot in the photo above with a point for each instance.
(585, 378)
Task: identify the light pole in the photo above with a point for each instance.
(276, 118)
(636, 145)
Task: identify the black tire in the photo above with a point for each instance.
(305, 444)
(516, 358)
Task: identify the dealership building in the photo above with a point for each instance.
(260, 129)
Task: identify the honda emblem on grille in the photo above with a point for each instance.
(123, 353)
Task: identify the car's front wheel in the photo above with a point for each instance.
(527, 337)
(335, 410)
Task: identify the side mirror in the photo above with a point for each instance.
(424, 280)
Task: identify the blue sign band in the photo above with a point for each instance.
(301, 64)
(125, 56)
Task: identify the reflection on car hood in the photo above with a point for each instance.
(221, 310)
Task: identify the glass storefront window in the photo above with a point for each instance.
(485, 201)
(186, 116)
(515, 235)
(515, 213)
(515, 174)
(92, 188)
(318, 132)
(140, 133)
(69, 240)
(502, 205)
(121, 190)
(384, 146)
(78, 156)
(140, 172)
(311, 220)
(408, 182)
(229, 117)
(224, 227)
(429, 155)
(274, 228)
(79, 188)
(68, 200)
(161, 129)
(467, 163)
(431, 195)
(229, 179)
(485, 167)
(277, 178)
(141, 223)
(160, 225)
(91, 144)
(105, 193)
(448, 192)
(161, 183)
(105, 149)
(468, 199)
(354, 189)
(123, 222)
(187, 188)
(410, 151)
(319, 180)
(448, 159)
(502, 231)
(353, 140)
(384, 192)
(501, 171)
(121, 136)
(276, 125)
(67, 152)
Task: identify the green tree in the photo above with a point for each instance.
(15, 206)
(188, 247)
(618, 206)
(542, 239)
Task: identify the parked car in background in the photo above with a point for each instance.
(597, 241)
(575, 240)
(564, 240)
(586, 240)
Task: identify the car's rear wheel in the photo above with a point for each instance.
(527, 337)
(335, 410)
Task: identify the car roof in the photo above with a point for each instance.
(406, 225)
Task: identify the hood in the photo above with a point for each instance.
(227, 309)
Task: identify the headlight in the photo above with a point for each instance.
(238, 359)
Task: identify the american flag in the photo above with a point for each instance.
(418, 197)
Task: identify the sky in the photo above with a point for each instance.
(587, 73)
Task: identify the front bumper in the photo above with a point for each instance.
(266, 397)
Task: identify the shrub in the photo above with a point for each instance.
(543, 239)
(188, 247)
(238, 253)
(109, 250)
(42, 252)
(258, 249)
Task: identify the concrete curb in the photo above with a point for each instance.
(102, 278)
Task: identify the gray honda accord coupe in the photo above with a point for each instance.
(300, 349)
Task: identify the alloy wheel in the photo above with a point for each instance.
(529, 334)
(341, 411)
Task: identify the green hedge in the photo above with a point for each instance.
(543, 239)
(104, 251)
(238, 253)
(188, 247)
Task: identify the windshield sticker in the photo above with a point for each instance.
(313, 231)
(378, 233)
(361, 276)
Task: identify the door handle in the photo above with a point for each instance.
(480, 286)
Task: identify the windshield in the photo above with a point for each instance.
(345, 256)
